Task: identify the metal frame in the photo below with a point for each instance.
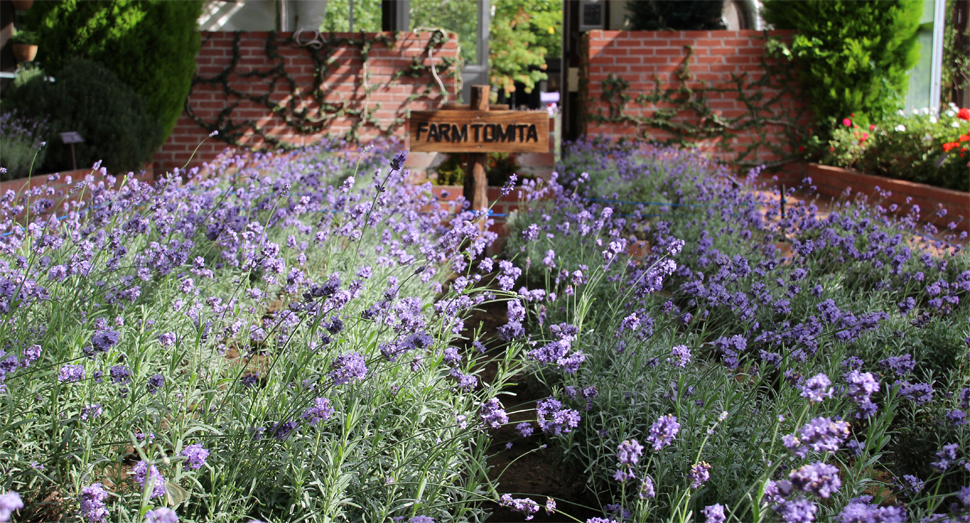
(477, 74)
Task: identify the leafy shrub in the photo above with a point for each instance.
(89, 99)
(667, 15)
(150, 45)
(21, 145)
(920, 147)
(854, 55)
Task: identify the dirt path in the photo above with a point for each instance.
(529, 467)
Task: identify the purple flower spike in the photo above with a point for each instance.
(161, 515)
(195, 456)
(347, 368)
(663, 432)
(714, 513)
(143, 471)
(817, 388)
(699, 474)
(629, 452)
(526, 506)
(92, 508)
(818, 478)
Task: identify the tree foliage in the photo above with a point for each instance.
(518, 36)
(149, 44)
(367, 16)
(854, 55)
(675, 15)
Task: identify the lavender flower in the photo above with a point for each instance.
(161, 515)
(398, 161)
(195, 456)
(9, 503)
(817, 478)
(92, 508)
(663, 432)
(861, 386)
(144, 471)
(646, 488)
(526, 506)
(699, 474)
(714, 513)
(120, 374)
(817, 388)
(347, 368)
(91, 412)
(964, 496)
(104, 340)
(680, 356)
(155, 383)
(945, 457)
(493, 414)
(901, 365)
(860, 510)
(818, 435)
(71, 374)
(553, 419)
(320, 411)
(798, 510)
(629, 452)
(524, 429)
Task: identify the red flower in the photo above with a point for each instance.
(846, 122)
(872, 127)
(964, 114)
(801, 148)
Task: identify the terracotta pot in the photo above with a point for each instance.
(22, 5)
(25, 52)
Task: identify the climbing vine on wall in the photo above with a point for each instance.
(763, 101)
(308, 113)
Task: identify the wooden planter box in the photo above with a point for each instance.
(835, 181)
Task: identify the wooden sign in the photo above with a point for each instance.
(457, 131)
(71, 137)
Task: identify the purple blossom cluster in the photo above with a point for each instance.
(554, 419)
(144, 472)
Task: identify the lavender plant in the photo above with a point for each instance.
(273, 342)
(767, 384)
(21, 145)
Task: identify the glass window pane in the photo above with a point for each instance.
(459, 16)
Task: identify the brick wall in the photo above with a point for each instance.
(344, 84)
(644, 58)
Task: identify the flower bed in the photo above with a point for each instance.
(287, 340)
(716, 378)
(919, 147)
(938, 206)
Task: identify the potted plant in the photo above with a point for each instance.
(22, 5)
(25, 46)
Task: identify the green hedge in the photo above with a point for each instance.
(91, 100)
(854, 55)
(150, 44)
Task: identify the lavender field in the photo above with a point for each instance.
(291, 339)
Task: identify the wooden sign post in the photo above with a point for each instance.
(479, 131)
